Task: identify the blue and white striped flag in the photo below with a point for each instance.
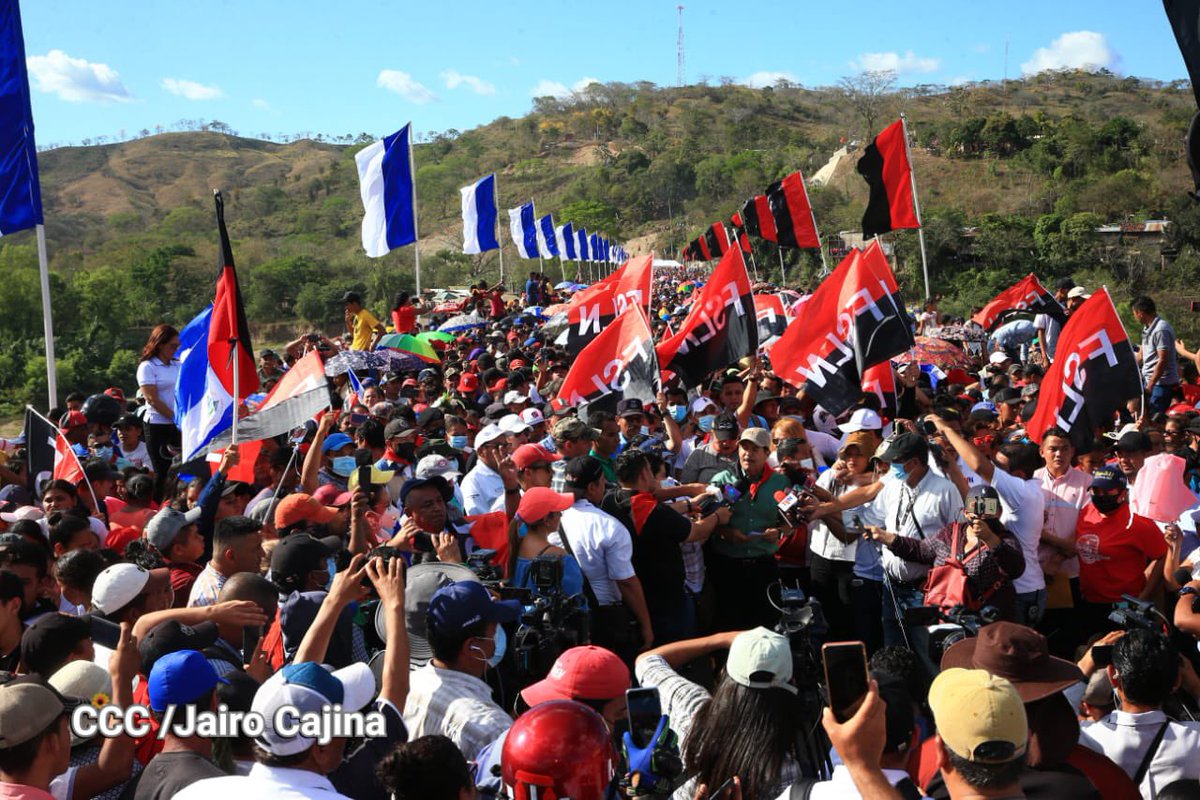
(389, 197)
(566, 242)
(479, 215)
(547, 241)
(522, 223)
(20, 194)
(581, 242)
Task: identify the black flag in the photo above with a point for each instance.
(1184, 16)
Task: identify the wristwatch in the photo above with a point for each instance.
(1184, 591)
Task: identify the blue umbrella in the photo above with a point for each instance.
(463, 322)
(565, 285)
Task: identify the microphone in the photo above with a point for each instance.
(1182, 576)
(780, 496)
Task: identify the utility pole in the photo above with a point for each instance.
(679, 61)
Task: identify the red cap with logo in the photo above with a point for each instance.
(528, 454)
(581, 673)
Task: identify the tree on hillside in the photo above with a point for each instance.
(867, 94)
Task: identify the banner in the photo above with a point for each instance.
(772, 318)
(1027, 294)
(618, 363)
(592, 309)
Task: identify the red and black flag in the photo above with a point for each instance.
(739, 230)
(618, 363)
(48, 454)
(772, 318)
(1093, 376)
(756, 214)
(853, 321)
(880, 380)
(886, 170)
(596, 306)
(716, 240)
(229, 349)
(1185, 22)
(792, 213)
(1026, 295)
(721, 327)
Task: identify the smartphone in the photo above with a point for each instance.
(105, 633)
(1102, 654)
(251, 634)
(644, 711)
(845, 677)
(364, 477)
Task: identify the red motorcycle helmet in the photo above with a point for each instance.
(560, 750)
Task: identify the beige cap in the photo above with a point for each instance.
(756, 436)
(760, 659)
(26, 709)
(979, 716)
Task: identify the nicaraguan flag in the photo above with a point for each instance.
(566, 242)
(581, 242)
(479, 215)
(20, 194)
(385, 181)
(594, 247)
(546, 239)
(523, 226)
(200, 418)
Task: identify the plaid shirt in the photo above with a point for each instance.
(455, 705)
(206, 588)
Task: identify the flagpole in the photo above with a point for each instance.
(412, 170)
(236, 394)
(57, 433)
(912, 177)
(782, 268)
(47, 318)
(496, 227)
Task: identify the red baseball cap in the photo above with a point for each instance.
(528, 454)
(517, 363)
(331, 495)
(539, 501)
(300, 506)
(581, 673)
(959, 376)
(72, 419)
(116, 392)
(1180, 409)
(468, 382)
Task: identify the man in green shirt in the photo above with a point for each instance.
(607, 443)
(742, 563)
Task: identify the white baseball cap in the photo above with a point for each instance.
(863, 419)
(24, 512)
(701, 403)
(513, 396)
(758, 653)
(513, 424)
(532, 416)
(119, 585)
(311, 689)
(488, 433)
(998, 357)
(433, 465)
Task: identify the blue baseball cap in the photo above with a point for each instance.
(336, 441)
(464, 604)
(1108, 477)
(180, 678)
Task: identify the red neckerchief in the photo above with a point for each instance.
(767, 473)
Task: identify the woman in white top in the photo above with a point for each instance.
(156, 376)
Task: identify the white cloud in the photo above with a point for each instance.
(192, 90)
(899, 63)
(403, 84)
(547, 88)
(455, 79)
(76, 79)
(1086, 50)
(261, 105)
(764, 78)
(583, 83)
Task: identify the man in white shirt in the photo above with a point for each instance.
(1022, 507)
(1065, 489)
(448, 696)
(1139, 738)
(483, 485)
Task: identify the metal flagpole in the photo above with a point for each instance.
(916, 205)
(496, 227)
(233, 354)
(753, 263)
(782, 268)
(412, 170)
(47, 318)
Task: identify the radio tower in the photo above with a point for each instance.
(679, 63)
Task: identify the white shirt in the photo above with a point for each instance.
(821, 540)
(920, 511)
(455, 705)
(840, 785)
(1125, 738)
(138, 456)
(263, 782)
(602, 547)
(153, 372)
(480, 488)
(1022, 511)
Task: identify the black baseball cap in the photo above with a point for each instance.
(725, 427)
(298, 554)
(1134, 442)
(128, 420)
(904, 447)
(171, 637)
(583, 470)
(630, 407)
(47, 643)
(436, 481)
(1009, 396)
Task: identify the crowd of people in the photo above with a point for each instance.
(485, 572)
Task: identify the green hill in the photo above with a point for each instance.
(1012, 178)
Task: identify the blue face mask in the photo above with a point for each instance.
(102, 453)
(343, 465)
(678, 413)
(501, 640)
(458, 442)
(899, 472)
(706, 422)
(331, 565)
(645, 431)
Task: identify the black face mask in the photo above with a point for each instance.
(1106, 503)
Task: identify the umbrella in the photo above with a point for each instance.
(356, 360)
(462, 322)
(958, 333)
(565, 285)
(407, 343)
(399, 361)
(436, 336)
(938, 352)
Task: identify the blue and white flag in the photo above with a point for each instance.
(547, 243)
(479, 215)
(20, 194)
(566, 242)
(522, 224)
(594, 247)
(199, 416)
(385, 179)
(581, 243)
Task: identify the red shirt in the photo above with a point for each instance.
(404, 319)
(1113, 552)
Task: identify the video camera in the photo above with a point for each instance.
(552, 621)
(958, 623)
(480, 562)
(1131, 613)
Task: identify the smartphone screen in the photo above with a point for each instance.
(1102, 654)
(364, 478)
(105, 633)
(644, 710)
(845, 676)
(251, 634)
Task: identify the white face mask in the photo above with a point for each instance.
(808, 463)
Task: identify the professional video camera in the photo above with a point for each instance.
(480, 562)
(552, 621)
(1131, 613)
(949, 626)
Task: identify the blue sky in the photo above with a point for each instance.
(345, 67)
